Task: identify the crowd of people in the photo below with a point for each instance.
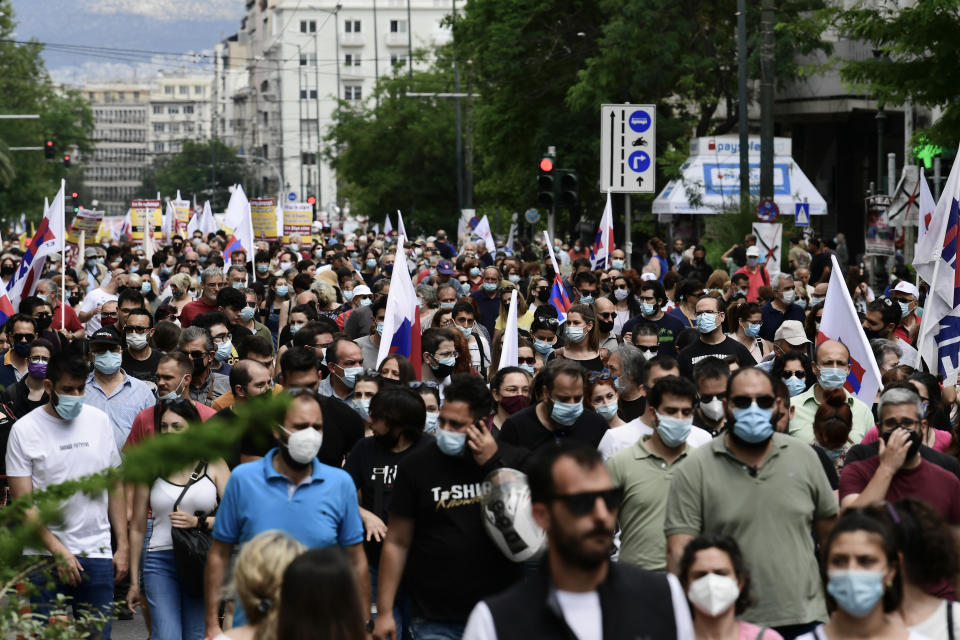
(691, 456)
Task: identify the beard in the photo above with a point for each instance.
(754, 447)
(293, 464)
(573, 550)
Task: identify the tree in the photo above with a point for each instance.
(189, 171)
(65, 118)
(915, 57)
(398, 152)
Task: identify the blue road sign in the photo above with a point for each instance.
(532, 216)
(292, 196)
(639, 161)
(802, 214)
(640, 121)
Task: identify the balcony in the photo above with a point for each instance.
(352, 40)
(396, 39)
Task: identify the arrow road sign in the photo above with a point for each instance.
(627, 158)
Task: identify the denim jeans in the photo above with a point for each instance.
(435, 630)
(401, 607)
(95, 591)
(174, 614)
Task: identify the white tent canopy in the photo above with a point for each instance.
(710, 180)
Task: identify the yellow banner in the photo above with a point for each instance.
(143, 212)
(86, 220)
(297, 220)
(263, 211)
(183, 211)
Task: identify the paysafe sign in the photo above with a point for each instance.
(723, 179)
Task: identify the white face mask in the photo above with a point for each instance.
(788, 296)
(303, 445)
(713, 594)
(713, 410)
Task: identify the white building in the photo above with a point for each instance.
(304, 55)
(180, 109)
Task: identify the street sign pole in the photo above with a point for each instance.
(627, 243)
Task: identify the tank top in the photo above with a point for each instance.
(664, 267)
(201, 496)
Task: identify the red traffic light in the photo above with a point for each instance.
(49, 143)
(74, 195)
(66, 158)
(311, 200)
(546, 164)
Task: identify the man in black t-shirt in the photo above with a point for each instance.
(140, 360)
(436, 540)
(559, 416)
(652, 301)
(712, 340)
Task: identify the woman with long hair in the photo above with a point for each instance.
(581, 338)
(831, 426)
(657, 265)
(744, 323)
(319, 599)
(624, 299)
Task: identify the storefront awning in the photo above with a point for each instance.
(710, 181)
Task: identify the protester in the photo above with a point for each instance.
(318, 599)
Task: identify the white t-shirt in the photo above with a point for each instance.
(935, 626)
(51, 451)
(92, 300)
(819, 634)
(627, 435)
(583, 615)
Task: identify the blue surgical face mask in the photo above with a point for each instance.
(223, 351)
(608, 410)
(361, 406)
(489, 287)
(349, 376)
(795, 385)
(263, 268)
(379, 328)
(753, 423)
(430, 424)
(107, 362)
(466, 331)
(238, 285)
(68, 407)
(835, 454)
(832, 378)
(815, 300)
(566, 413)
(752, 330)
(145, 287)
(586, 299)
(856, 591)
(528, 368)
(247, 313)
(800, 302)
(348, 295)
(451, 442)
(752, 261)
(617, 264)
(371, 263)
(474, 271)
(648, 309)
(283, 290)
(904, 309)
(542, 346)
(514, 278)
(706, 322)
(294, 328)
(673, 431)
(575, 334)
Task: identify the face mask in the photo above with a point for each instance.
(832, 378)
(788, 296)
(620, 294)
(904, 309)
(649, 353)
(145, 287)
(91, 263)
(235, 285)
(388, 269)
(673, 431)
(223, 351)
(318, 253)
(616, 263)
(303, 445)
(263, 268)
(451, 442)
(815, 300)
(527, 367)
(443, 367)
(101, 260)
(512, 404)
(106, 322)
(430, 424)
(795, 385)
(542, 346)
(474, 271)
(371, 263)
(575, 334)
(566, 413)
(713, 410)
(606, 326)
(835, 454)
(348, 295)
(199, 367)
(706, 322)
(447, 305)
(586, 299)
(366, 302)
(21, 348)
(856, 592)
(68, 407)
(284, 266)
(489, 287)
(294, 246)
(752, 330)
(282, 290)
(914, 442)
(173, 395)
(608, 410)
(137, 341)
(247, 313)
(753, 423)
(752, 261)
(713, 594)
(107, 362)
(362, 407)
(466, 331)
(349, 376)
(37, 370)
(646, 308)
(514, 278)
(544, 295)
(801, 303)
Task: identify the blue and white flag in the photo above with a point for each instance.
(401, 324)
(558, 294)
(603, 242)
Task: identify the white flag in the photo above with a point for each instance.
(401, 231)
(603, 243)
(483, 230)
(387, 226)
(508, 353)
(923, 256)
(509, 245)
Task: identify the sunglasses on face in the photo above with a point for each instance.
(599, 375)
(710, 397)
(799, 375)
(743, 402)
(580, 504)
(530, 360)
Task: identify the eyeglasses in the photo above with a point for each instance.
(252, 305)
(430, 384)
(906, 423)
(580, 504)
(530, 360)
(195, 355)
(710, 397)
(599, 375)
(38, 359)
(742, 402)
(799, 375)
(452, 354)
(109, 314)
(131, 329)
(23, 337)
(607, 316)
(43, 316)
(220, 337)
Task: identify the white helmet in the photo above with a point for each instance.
(508, 517)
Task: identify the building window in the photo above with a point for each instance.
(158, 127)
(198, 89)
(303, 26)
(173, 110)
(398, 26)
(158, 147)
(308, 158)
(184, 90)
(136, 96)
(352, 92)
(157, 109)
(308, 59)
(351, 60)
(188, 109)
(168, 90)
(396, 59)
(352, 26)
(174, 127)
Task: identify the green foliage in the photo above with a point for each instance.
(399, 152)
(25, 88)
(189, 171)
(918, 46)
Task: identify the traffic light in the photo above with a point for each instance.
(546, 180)
(75, 197)
(569, 191)
(66, 161)
(48, 149)
(311, 200)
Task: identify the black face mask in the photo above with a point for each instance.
(544, 295)
(871, 334)
(74, 300)
(43, 324)
(915, 441)
(7, 270)
(198, 368)
(606, 326)
(441, 371)
(388, 440)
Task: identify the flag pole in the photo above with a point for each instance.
(63, 254)
(925, 320)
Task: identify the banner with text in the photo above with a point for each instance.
(183, 209)
(86, 220)
(263, 211)
(142, 213)
(297, 219)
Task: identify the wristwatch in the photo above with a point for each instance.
(370, 625)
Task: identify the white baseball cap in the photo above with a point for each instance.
(905, 287)
(753, 252)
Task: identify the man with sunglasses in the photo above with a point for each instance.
(712, 341)
(711, 377)
(767, 491)
(831, 365)
(140, 360)
(205, 385)
(213, 281)
(578, 592)
(21, 330)
(899, 471)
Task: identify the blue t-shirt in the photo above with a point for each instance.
(771, 319)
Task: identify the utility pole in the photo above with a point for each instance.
(456, 89)
(743, 106)
(766, 98)
(409, 43)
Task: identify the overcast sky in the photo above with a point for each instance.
(175, 26)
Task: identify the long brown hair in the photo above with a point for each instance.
(834, 419)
